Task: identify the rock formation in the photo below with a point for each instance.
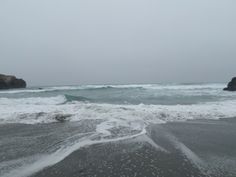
(62, 117)
(231, 85)
(10, 82)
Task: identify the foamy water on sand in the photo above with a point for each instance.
(106, 113)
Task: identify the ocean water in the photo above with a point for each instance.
(117, 104)
(104, 113)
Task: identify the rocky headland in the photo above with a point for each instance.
(231, 85)
(11, 82)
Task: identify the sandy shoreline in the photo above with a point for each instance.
(199, 148)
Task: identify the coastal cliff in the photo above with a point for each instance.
(10, 82)
(231, 85)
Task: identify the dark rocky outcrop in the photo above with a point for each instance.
(62, 117)
(10, 82)
(231, 85)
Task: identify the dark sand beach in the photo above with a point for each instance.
(200, 148)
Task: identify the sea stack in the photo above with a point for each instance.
(11, 82)
(231, 85)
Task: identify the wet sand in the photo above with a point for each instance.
(200, 148)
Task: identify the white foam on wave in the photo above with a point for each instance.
(61, 88)
(33, 100)
(22, 111)
(22, 91)
(145, 86)
(185, 86)
(37, 90)
(160, 86)
(129, 121)
(217, 86)
(26, 110)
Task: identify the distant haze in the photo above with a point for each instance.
(58, 42)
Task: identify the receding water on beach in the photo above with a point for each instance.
(164, 130)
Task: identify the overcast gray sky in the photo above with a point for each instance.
(51, 42)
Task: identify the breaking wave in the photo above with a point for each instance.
(43, 110)
(33, 101)
(105, 120)
(105, 87)
(70, 98)
(112, 123)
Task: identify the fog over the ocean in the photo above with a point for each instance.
(56, 42)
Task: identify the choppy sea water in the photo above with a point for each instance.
(117, 105)
(103, 113)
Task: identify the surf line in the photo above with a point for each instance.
(62, 153)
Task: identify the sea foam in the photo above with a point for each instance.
(24, 111)
(112, 122)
